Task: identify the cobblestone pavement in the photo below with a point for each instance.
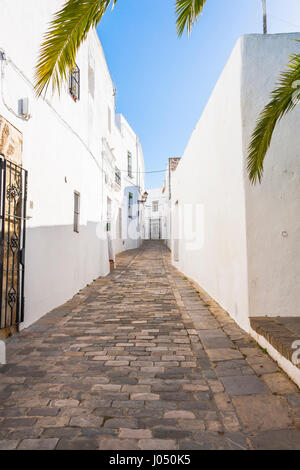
(138, 361)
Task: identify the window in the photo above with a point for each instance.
(155, 206)
(109, 119)
(129, 165)
(130, 205)
(118, 176)
(76, 211)
(74, 83)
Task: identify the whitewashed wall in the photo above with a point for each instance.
(239, 254)
(63, 152)
(273, 222)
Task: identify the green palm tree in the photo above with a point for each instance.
(71, 25)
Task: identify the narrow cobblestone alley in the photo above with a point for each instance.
(137, 361)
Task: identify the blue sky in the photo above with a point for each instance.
(164, 82)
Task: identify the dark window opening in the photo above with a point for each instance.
(130, 205)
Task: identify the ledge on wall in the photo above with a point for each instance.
(282, 333)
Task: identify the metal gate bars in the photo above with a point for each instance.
(13, 195)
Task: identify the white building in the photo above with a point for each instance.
(78, 157)
(241, 243)
(155, 227)
(133, 185)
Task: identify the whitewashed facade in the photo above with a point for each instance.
(155, 227)
(240, 242)
(70, 150)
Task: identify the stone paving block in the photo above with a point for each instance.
(61, 433)
(43, 412)
(117, 423)
(179, 414)
(165, 432)
(214, 426)
(243, 385)
(118, 444)
(279, 383)
(53, 421)
(78, 444)
(144, 396)
(223, 402)
(223, 354)
(127, 433)
(284, 439)
(86, 421)
(294, 400)
(25, 433)
(262, 412)
(8, 445)
(263, 365)
(157, 444)
(18, 422)
(65, 403)
(38, 444)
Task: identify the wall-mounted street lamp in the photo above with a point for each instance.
(144, 198)
(265, 22)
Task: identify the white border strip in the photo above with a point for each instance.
(292, 371)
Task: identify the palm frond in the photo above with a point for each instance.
(188, 13)
(68, 29)
(284, 98)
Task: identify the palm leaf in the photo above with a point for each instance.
(188, 12)
(283, 99)
(66, 32)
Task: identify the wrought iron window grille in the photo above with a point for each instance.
(118, 176)
(76, 211)
(74, 83)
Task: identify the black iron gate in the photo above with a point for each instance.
(13, 195)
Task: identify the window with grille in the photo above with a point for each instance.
(118, 176)
(130, 205)
(76, 211)
(129, 165)
(74, 83)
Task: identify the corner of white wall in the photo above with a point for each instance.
(2, 352)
